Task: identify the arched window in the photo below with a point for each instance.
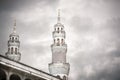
(64, 77)
(15, 50)
(62, 41)
(12, 50)
(58, 29)
(14, 77)
(27, 79)
(58, 76)
(55, 29)
(8, 49)
(12, 39)
(61, 29)
(54, 40)
(2, 75)
(58, 42)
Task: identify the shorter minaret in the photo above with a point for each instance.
(13, 46)
(59, 66)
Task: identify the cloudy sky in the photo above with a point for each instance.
(92, 34)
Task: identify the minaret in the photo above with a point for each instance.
(13, 46)
(59, 66)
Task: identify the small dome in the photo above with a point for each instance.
(59, 25)
(14, 34)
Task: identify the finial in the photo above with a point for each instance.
(58, 15)
(14, 28)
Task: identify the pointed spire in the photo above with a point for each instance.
(58, 15)
(14, 28)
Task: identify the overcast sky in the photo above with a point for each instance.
(92, 34)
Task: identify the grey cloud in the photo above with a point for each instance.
(109, 73)
(16, 5)
(114, 25)
(104, 61)
(81, 24)
(36, 50)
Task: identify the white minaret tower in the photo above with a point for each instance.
(59, 66)
(13, 46)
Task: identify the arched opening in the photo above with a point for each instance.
(27, 79)
(15, 50)
(55, 29)
(58, 29)
(12, 39)
(2, 75)
(58, 76)
(61, 29)
(58, 42)
(14, 77)
(54, 40)
(12, 50)
(62, 41)
(64, 77)
(8, 49)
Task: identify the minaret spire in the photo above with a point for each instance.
(14, 28)
(58, 15)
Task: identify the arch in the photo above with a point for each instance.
(58, 76)
(58, 39)
(16, 39)
(58, 29)
(64, 78)
(8, 49)
(55, 29)
(58, 42)
(12, 50)
(61, 29)
(54, 40)
(14, 77)
(2, 75)
(12, 39)
(27, 79)
(62, 41)
(15, 50)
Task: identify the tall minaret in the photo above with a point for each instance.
(59, 66)
(13, 46)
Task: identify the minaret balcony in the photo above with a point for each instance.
(15, 57)
(14, 43)
(59, 68)
(59, 49)
(60, 46)
(59, 25)
(59, 34)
